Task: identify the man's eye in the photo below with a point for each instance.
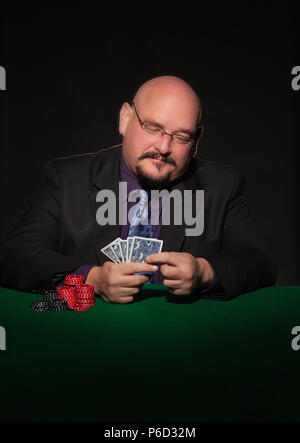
(182, 139)
(152, 128)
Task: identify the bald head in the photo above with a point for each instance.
(173, 90)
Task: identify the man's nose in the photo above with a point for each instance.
(163, 144)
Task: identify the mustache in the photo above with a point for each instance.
(157, 156)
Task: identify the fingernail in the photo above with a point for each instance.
(155, 268)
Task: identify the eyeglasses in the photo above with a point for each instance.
(154, 129)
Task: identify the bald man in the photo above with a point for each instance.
(60, 233)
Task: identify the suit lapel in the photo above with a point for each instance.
(174, 235)
(106, 175)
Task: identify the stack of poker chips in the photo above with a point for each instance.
(50, 302)
(74, 295)
(79, 296)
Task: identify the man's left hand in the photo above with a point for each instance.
(182, 272)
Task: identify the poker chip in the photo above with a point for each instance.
(71, 303)
(81, 308)
(69, 297)
(67, 293)
(85, 297)
(85, 288)
(73, 295)
(39, 303)
(39, 306)
(37, 309)
(59, 305)
(86, 303)
(73, 280)
(50, 295)
(85, 291)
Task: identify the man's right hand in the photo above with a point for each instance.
(116, 283)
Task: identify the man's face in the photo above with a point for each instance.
(158, 159)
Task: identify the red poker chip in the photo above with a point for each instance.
(67, 296)
(80, 308)
(85, 303)
(85, 296)
(85, 299)
(65, 291)
(73, 280)
(85, 288)
(71, 301)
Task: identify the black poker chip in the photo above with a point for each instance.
(38, 309)
(58, 305)
(39, 306)
(50, 301)
(50, 296)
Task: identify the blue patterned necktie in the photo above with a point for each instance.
(140, 222)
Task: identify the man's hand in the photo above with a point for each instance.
(116, 282)
(182, 271)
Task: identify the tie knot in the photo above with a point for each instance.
(143, 197)
(139, 217)
(141, 208)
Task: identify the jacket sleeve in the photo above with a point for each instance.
(29, 258)
(243, 263)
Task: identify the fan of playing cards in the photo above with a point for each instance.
(134, 249)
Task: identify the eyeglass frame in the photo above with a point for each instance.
(195, 138)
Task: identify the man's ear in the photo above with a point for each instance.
(195, 149)
(125, 115)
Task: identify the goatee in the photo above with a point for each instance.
(149, 183)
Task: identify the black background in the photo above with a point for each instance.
(70, 69)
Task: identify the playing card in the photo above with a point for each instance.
(117, 250)
(109, 252)
(129, 244)
(142, 247)
(123, 247)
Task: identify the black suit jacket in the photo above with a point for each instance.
(59, 232)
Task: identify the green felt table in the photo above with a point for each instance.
(154, 360)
